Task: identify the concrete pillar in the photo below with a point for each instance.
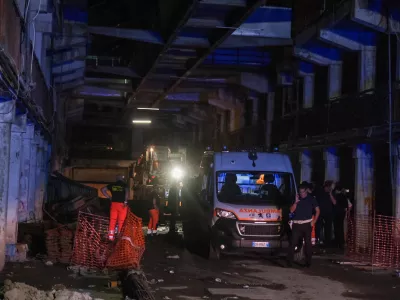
(7, 112)
(33, 180)
(334, 80)
(40, 178)
(16, 153)
(364, 179)
(367, 68)
(269, 119)
(223, 122)
(47, 168)
(306, 166)
(308, 90)
(232, 125)
(27, 138)
(331, 164)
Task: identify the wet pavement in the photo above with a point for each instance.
(176, 273)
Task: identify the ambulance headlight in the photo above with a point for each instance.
(221, 213)
(177, 173)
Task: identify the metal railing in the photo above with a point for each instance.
(367, 109)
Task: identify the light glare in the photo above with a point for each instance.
(141, 121)
(148, 108)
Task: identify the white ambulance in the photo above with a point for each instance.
(245, 199)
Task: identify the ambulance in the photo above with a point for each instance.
(245, 201)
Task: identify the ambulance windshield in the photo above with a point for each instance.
(255, 187)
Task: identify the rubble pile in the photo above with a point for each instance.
(66, 245)
(53, 250)
(22, 291)
(59, 244)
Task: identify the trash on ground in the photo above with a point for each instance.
(173, 257)
(48, 263)
(18, 291)
(218, 280)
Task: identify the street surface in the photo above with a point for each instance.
(175, 273)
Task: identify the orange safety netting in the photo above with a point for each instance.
(130, 245)
(374, 240)
(92, 248)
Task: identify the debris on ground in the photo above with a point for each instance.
(48, 263)
(173, 257)
(218, 280)
(22, 291)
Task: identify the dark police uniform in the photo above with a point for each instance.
(302, 228)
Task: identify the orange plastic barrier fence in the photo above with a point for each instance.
(92, 248)
(375, 240)
(130, 245)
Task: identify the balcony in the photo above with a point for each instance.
(349, 117)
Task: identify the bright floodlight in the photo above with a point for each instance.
(148, 108)
(151, 149)
(141, 121)
(177, 173)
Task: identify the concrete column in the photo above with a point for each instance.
(331, 164)
(308, 90)
(306, 166)
(334, 80)
(33, 180)
(27, 138)
(364, 179)
(47, 168)
(40, 181)
(16, 153)
(269, 119)
(367, 68)
(232, 125)
(223, 122)
(7, 112)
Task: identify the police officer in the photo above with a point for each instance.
(303, 221)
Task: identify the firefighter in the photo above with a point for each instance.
(119, 204)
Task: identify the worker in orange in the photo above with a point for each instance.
(119, 204)
(154, 212)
